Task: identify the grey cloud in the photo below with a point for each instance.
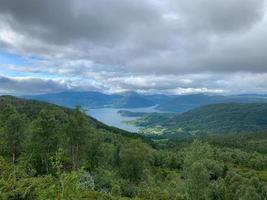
(65, 21)
(172, 84)
(139, 45)
(246, 53)
(133, 34)
(31, 85)
(220, 15)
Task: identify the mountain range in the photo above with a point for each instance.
(91, 99)
(167, 103)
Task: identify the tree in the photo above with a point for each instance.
(13, 129)
(198, 168)
(197, 181)
(75, 135)
(44, 139)
(14, 134)
(133, 157)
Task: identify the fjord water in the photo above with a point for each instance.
(110, 116)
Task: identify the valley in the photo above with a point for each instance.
(150, 115)
(53, 152)
(133, 100)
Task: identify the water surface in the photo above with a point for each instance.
(111, 117)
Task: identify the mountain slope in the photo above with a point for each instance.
(210, 119)
(31, 108)
(224, 118)
(184, 103)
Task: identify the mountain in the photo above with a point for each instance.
(168, 103)
(159, 99)
(210, 119)
(72, 99)
(132, 100)
(184, 103)
(94, 99)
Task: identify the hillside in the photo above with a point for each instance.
(185, 103)
(216, 118)
(31, 108)
(52, 152)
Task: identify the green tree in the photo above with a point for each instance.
(197, 181)
(76, 131)
(133, 160)
(198, 169)
(44, 140)
(14, 134)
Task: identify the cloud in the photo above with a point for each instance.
(219, 16)
(233, 83)
(27, 85)
(153, 45)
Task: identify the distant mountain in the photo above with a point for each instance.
(144, 99)
(210, 119)
(132, 100)
(159, 99)
(184, 103)
(169, 103)
(72, 99)
(92, 99)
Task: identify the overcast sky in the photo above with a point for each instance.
(150, 46)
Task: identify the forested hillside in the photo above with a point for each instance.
(228, 118)
(50, 152)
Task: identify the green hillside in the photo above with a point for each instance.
(210, 119)
(51, 152)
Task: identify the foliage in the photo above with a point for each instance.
(228, 118)
(63, 154)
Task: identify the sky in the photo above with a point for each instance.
(152, 46)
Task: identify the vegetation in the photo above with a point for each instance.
(211, 119)
(50, 152)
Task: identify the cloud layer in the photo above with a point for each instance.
(149, 46)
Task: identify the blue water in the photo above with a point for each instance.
(110, 116)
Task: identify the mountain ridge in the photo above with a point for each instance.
(168, 103)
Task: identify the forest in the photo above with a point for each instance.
(51, 152)
(224, 118)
